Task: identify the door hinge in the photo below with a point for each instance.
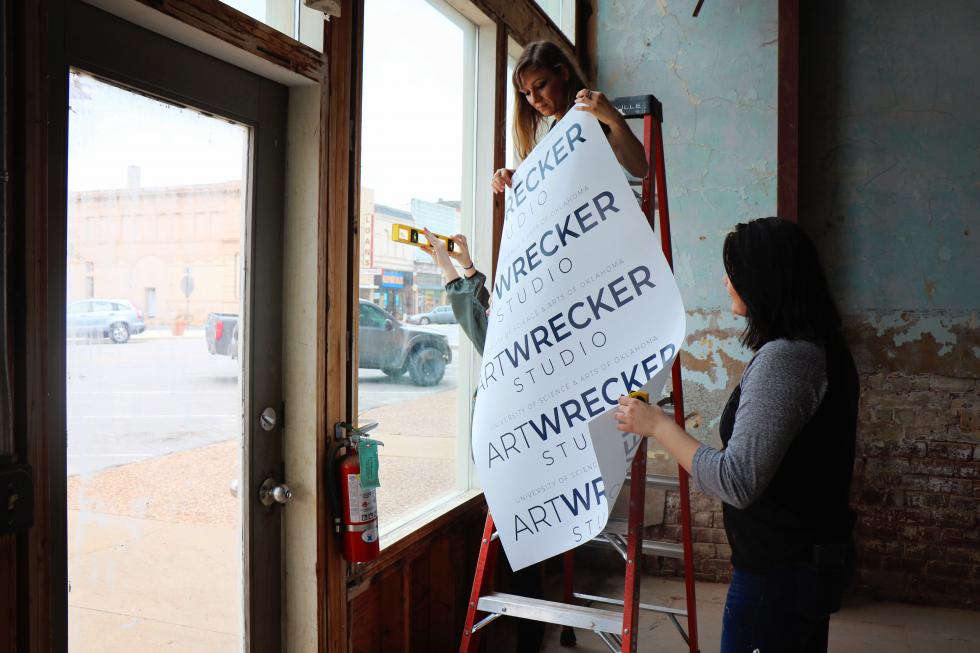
(16, 498)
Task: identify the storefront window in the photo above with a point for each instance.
(416, 171)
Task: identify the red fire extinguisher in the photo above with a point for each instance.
(356, 516)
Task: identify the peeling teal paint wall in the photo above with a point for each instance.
(890, 151)
(890, 192)
(716, 77)
(890, 176)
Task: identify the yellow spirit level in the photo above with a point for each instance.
(641, 395)
(402, 233)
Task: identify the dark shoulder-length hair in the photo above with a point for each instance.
(546, 55)
(774, 268)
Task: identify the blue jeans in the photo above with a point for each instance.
(775, 613)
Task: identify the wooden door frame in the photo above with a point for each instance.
(36, 151)
(337, 238)
(47, 38)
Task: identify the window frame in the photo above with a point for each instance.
(502, 26)
(565, 20)
(475, 199)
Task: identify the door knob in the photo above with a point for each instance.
(272, 492)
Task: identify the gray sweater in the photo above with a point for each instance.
(782, 386)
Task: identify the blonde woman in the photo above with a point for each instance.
(549, 85)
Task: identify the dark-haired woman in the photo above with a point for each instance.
(788, 434)
(548, 84)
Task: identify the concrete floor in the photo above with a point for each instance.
(861, 626)
(149, 585)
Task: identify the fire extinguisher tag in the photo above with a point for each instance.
(368, 454)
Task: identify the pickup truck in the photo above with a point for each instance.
(221, 333)
(384, 344)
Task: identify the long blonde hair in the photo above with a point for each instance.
(548, 56)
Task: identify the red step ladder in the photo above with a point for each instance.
(617, 629)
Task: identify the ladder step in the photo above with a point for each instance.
(575, 616)
(663, 549)
(662, 609)
(660, 481)
(650, 547)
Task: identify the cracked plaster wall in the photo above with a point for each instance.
(716, 77)
(890, 176)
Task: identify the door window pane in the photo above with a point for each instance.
(291, 17)
(416, 170)
(154, 400)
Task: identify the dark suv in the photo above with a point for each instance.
(394, 348)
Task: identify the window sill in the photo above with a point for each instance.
(404, 535)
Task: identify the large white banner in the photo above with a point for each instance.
(584, 309)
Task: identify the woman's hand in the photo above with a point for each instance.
(500, 179)
(440, 255)
(628, 148)
(599, 106)
(648, 420)
(461, 252)
(639, 417)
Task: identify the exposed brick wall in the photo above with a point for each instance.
(917, 488)
(712, 554)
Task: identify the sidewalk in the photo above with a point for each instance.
(149, 585)
(156, 333)
(155, 559)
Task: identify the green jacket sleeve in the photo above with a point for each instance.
(470, 300)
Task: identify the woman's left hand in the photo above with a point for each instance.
(436, 248)
(598, 105)
(639, 417)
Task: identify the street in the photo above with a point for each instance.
(157, 395)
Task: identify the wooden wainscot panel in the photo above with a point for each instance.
(414, 598)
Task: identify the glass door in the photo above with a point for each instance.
(172, 316)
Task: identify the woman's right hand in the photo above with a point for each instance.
(500, 179)
(462, 251)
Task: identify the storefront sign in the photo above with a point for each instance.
(392, 279)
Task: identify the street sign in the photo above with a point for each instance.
(187, 285)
